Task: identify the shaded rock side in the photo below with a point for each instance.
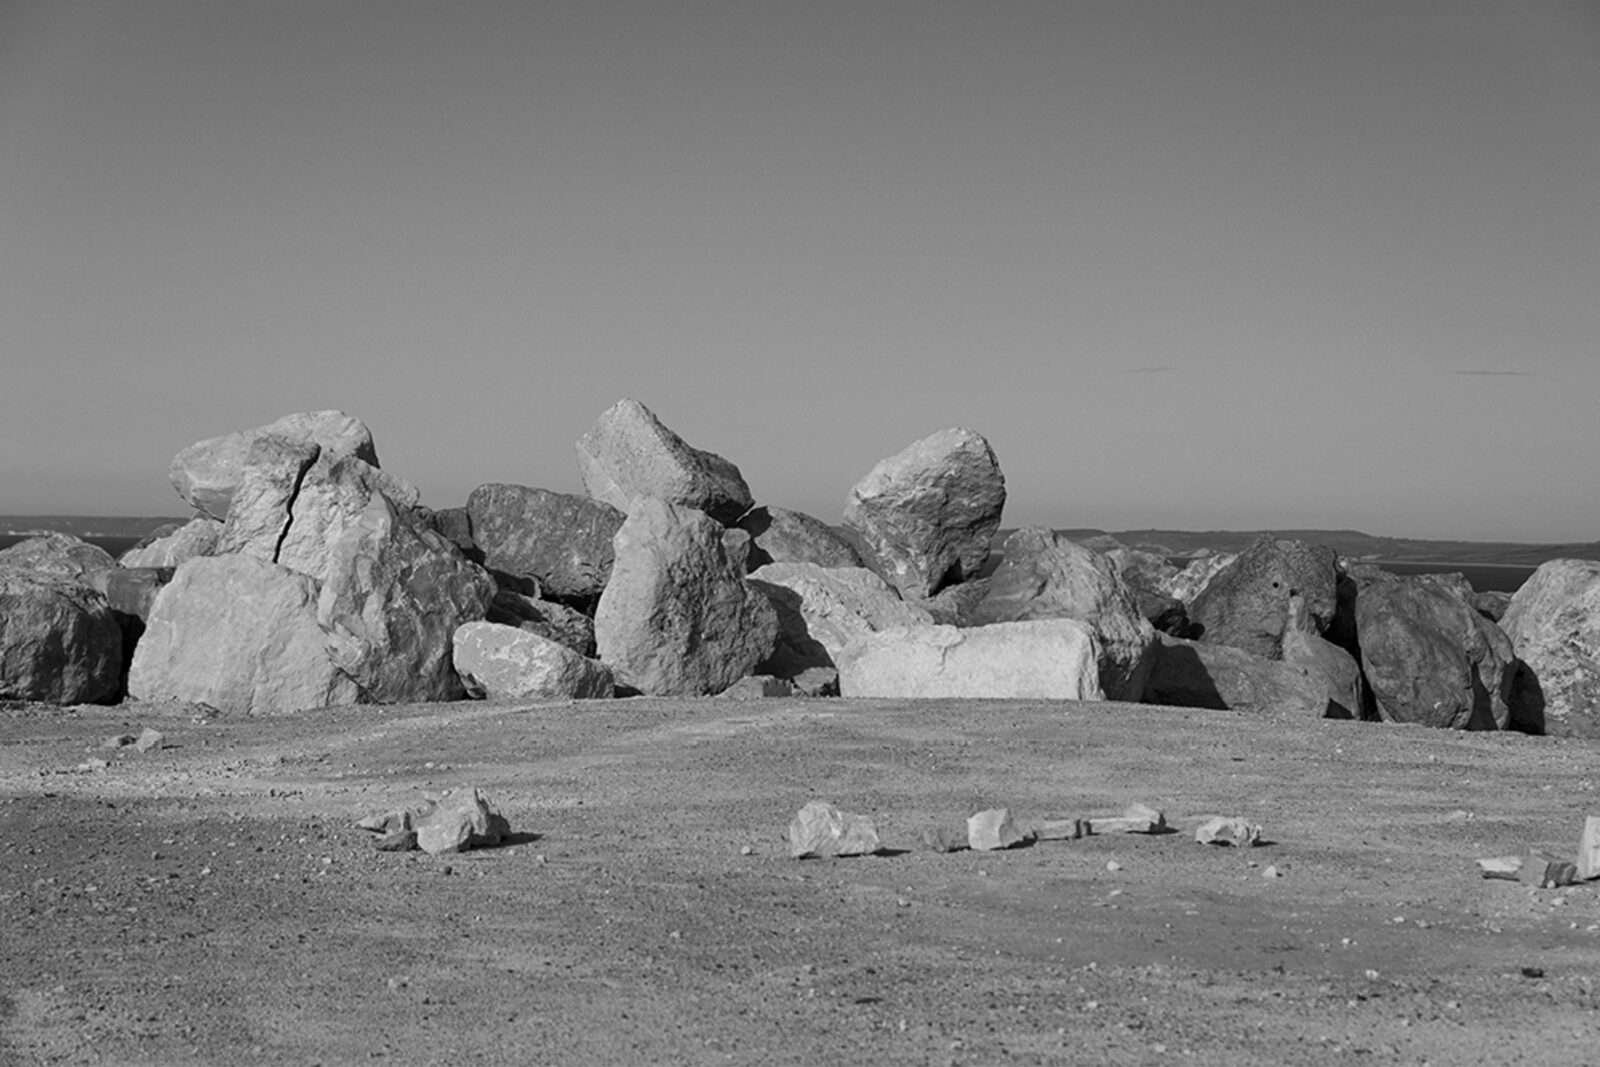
(207, 473)
(779, 535)
(561, 624)
(1553, 623)
(57, 555)
(1193, 674)
(561, 540)
(928, 513)
(242, 635)
(1246, 604)
(1323, 660)
(505, 663)
(822, 609)
(59, 642)
(629, 453)
(197, 537)
(1430, 658)
(677, 617)
(1047, 659)
(1043, 575)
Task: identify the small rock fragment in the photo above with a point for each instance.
(1223, 830)
(1547, 873)
(1503, 867)
(1137, 819)
(1059, 829)
(820, 829)
(993, 829)
(1271, 871)
(149, 739)
(1113, 866)
(450, 824)
(1589, 849)
(944, 839)
(119, 741)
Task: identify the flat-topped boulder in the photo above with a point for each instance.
(1553, 623)
(1046, 659)
(928, 513)
(630, 453)
(561, 540)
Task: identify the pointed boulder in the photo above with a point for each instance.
(629, 453)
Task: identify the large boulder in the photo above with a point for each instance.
(197, 537)
(241, 634)
(822, 609)
(928, 513)
(779, 535)
(1193, 674)
(629, 453)
(1553, 623)
(1246, 604)
(1303, 648)
(59, 642)
(1047, 659)
(507, 663)
(678, 617)
(561, 540)
(58, 555)
(207, 472)
(1043, 575)
(1430, 658)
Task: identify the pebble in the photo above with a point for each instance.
(747, 851)
(1113, 865)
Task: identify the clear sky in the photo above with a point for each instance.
(1185, 264)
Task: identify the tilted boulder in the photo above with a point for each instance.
(207, 472)
(197, 537)
(241, 634)
(929, 512)
(57, 555)
(780, 535)
(505, 663)
(1246, 603)
(629, 453)
(678, 617)
(561, 540)
(1043, 575)
(1553, 623)
(1047, 659)
(1340, 674)
(1430, 658)
(1193, 674)
(822, 609)
(561, 624)
(59, 642)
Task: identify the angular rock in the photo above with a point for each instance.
(1553, 623)
(1322, 659)
(1135, 819)
(241, 635)
(1588, 864)
(455, 526)
(783, 536)
(993, 829)
(1430, 658)
(677, 617)
(149, 739)
(629, 453)
(1193, 674)
(820, 829)
(1504, 868)
(820, 610)
(197, 537)
(1043, 575)
(559, 539)
(1547, 872)
(1223, 830)
(1245, 605)
(1147, 574)
(506, 663)
(816, 682)
(131, 591)
(1059, 829)
(559, 623)
(59, 642)
(928, 513)
(757, 687)
(264, 496)
(956, 605)
(943, 839)
(207, 473)
(1492, 604)
(1187, 585)
(458, 822)
(57, 555)
(1048, 659)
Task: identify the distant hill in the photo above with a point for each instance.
(1351, 543)
(134, 526)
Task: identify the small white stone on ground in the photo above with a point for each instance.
(1589, 849)
(1225, 830)
(149, 739)
(993, 829)
(820, 829)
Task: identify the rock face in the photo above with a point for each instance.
(1189, 583)
(207, 472)
(1324, 660)
(1430, 658)
(1193, 674)
(560, 540)
(677, 617)
(779, 535)
(197, 537)
(242, 635)
(822, 609)
(1245, 604)
(1043, 575)
(628, 453)
(929, 512)
(1553, 623)
(1049, 659)
(505, 663)
(561, 624)
(57, 555)
(59, 642)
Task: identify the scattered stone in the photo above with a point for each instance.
(1223, 830)
(993, 829)
(1271, 871)
(397, 841)
(506, 663)
(561, 540)
(1113, 866)
(816, 682)
(944, 839)
(1547, 873)
(928, 513)
(1588, 864)
(453, 823)
(1047, 659)
(629, 454)
(149, 739)
(1059, 829)
(1136, 819)
(90, 766)
(820, 829)
(1506, 868)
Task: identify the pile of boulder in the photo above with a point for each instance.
(310, 577)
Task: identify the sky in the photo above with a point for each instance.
(1189, 265)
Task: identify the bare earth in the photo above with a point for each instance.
(211, 902)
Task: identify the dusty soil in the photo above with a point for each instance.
(212, 902)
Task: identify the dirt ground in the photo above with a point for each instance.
(212, 902)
